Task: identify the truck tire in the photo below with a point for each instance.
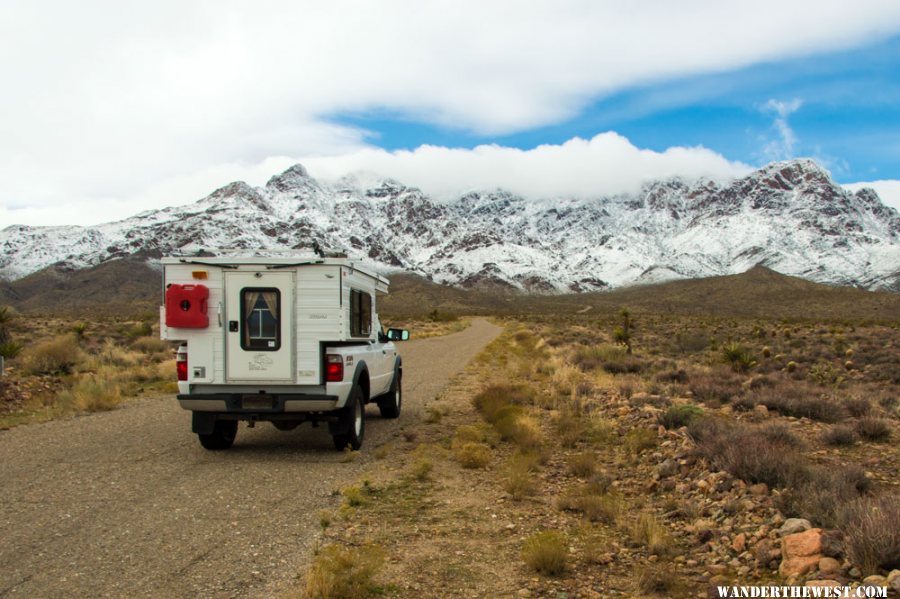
(222, 436)
(353, 421)
(390, 404)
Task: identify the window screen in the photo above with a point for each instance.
(260, 321)
(360, 314)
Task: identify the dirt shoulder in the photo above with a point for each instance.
(126, 502)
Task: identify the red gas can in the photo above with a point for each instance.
(186, 306)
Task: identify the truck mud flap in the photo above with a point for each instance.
(203, 423)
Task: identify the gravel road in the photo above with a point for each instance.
(127, 503)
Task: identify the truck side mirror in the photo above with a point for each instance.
(397, 334)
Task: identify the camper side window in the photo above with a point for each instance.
(261, 312)
(360, 314)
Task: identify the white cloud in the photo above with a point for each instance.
(604, 165)
(782, 147)
(888, 191)
(103, 101)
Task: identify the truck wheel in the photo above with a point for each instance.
(222, 436)
(353, 420)
(390, 404)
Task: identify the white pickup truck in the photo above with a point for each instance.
(285, 340)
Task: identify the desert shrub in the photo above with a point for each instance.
(151, 345)
(583, 465)
(612, 358)
(823, 494)
(58, 355)
(800, 402)
(826, 374)
(647, 531)
(546, 553)
(421, 468)
(716, 386)
(596, 507)
(871, 527)
(674, 375)
(840, 435)
(141, 329)
(638, 440)
(746, 452)
(495, 397)
(872, 428)
(679, 415)
(781, 434)
(738, 357)
(690, 342)
(92, 393)
(473, 433)
(571, 427)
(10, 349)
(655, 580)
(344, 573)
(438, 316)
(857, 406)
(111, 354)
(473, 455)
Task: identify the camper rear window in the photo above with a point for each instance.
(360, 313)
(261, 313)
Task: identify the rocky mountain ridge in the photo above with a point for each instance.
(789, 216)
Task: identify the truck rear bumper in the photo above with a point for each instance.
(246, 403)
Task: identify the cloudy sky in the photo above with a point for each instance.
(110, 108)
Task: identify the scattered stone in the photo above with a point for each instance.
(739, 543)
(761, 411)
(893, 580)
(829, 565)
(875, 580)
(759, 489)
(854, 572)
(801, 552)
(794, 525)
(827, 583)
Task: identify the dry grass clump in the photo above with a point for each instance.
(872, 532)
(596, 507)
(655, 580)
(519, 482)
(638, 440)
(151, 345)
(583, 465)
(344, 573)
(473, 455)
(648, 532)
(496, 397)
(611, 358)
(91, 394)
(59, 355)
(857, 406)
(841, 435)
(872, 428)
(545, 553)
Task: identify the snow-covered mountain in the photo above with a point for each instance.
(789, 216)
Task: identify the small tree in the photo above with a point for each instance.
(622, 334)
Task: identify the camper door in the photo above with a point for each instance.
(259, 337)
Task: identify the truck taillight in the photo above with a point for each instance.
(334, 368)
(181, 363)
